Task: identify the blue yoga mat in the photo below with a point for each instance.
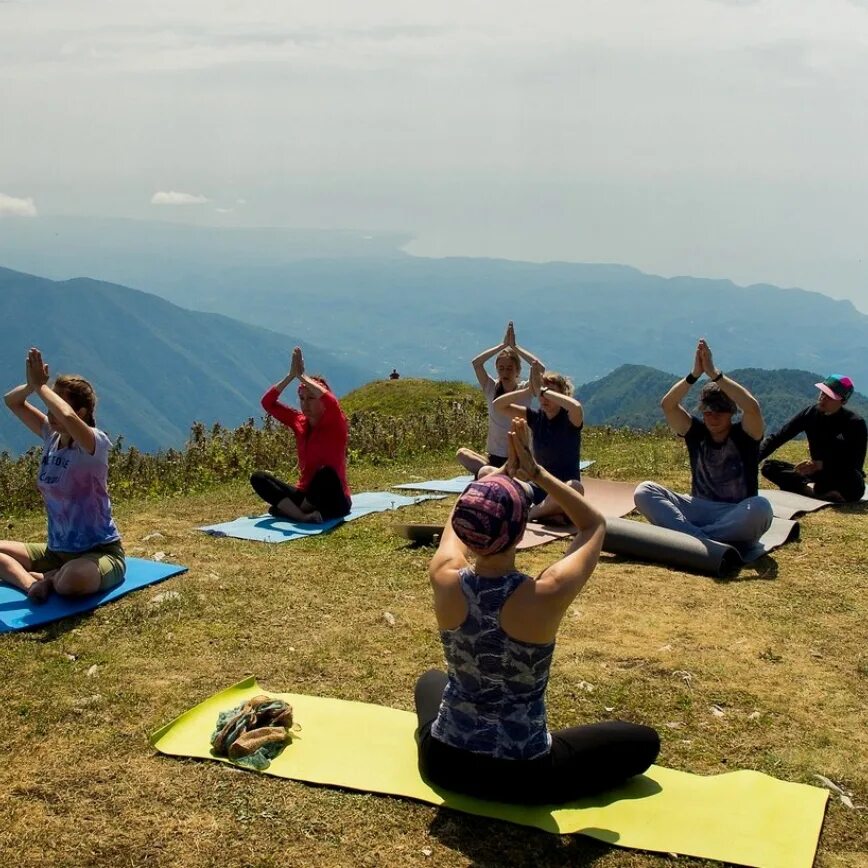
(17, 613)
(266, 528)
(455, 485)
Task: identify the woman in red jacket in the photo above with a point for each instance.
(320, 429)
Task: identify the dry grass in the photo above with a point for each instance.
(81, 786)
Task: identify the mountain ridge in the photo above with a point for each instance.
(155, 366)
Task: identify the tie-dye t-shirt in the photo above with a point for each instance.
(73, 485)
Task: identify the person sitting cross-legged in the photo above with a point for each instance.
(836, 442)
(321, 433)
(723, 504)
(507, 362)
(483, 728)
(556, 430)
(83, 553)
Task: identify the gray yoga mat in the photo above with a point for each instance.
(675, 549)
(787, 504)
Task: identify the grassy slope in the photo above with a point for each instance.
(406, 396)
(80, 785)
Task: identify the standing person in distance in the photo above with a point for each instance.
(723, 503)
(483, 726)
(321, 434)
(508, 367)
(556, 429)
(836, 442)
(84, 553)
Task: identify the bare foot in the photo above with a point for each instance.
(38, 592)
(314, 517)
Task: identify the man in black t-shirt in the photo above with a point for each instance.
(837, 440)
(724, 458)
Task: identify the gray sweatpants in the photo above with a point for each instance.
(743, 522)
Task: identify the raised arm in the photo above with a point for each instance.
(271, 402)
(752, 418)
(677, 418)
(16, 401)
(61, 412)
(570, 404)
(296, 369)
(505, 403)
(527, 355)
(558, 585)
(479, 361)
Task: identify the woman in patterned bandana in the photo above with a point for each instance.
(482, 725)
(83, 554)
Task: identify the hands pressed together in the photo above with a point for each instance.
(35, 370)
(296, 367)
(703, 361)
(520, 463)
(509, 337)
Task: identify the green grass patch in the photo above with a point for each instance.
(768, 672)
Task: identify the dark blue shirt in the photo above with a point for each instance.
(557, 443)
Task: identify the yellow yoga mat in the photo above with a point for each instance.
(743, 817)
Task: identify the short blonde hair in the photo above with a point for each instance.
(558, 382)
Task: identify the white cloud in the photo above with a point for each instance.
(10, 206)
(173, 197)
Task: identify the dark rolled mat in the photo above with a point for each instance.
(660, 545)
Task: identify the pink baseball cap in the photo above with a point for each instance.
(836, 386)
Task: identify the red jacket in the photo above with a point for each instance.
(321, 445)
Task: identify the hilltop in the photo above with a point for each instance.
(733, 674)
(411, 396)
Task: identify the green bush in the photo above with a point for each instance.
(222, 455)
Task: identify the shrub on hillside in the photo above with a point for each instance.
(219, 454)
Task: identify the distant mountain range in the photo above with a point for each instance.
(376, 307)
(630, 395)
(156, 367)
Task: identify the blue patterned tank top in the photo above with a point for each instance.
(493, 703)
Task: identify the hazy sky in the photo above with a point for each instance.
(709, 137)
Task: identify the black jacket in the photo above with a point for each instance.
(838, 440)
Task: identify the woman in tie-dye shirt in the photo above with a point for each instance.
(83, 553)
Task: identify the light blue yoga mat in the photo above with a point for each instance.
(455, 485)
(446, 486)
(266, 528)
(18, 613)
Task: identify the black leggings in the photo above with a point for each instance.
(850, 484)
(325, 494)
(583, 759)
